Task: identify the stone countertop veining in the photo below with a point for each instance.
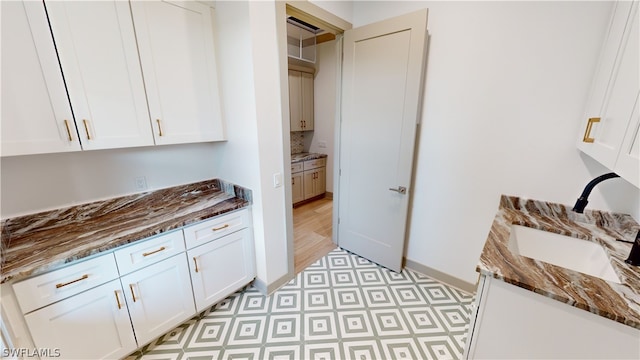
(35, 243)
(619, 302)
(299, 157)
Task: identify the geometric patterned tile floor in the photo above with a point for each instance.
(341, 307)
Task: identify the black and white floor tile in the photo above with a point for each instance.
(341, 307)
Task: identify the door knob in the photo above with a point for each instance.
(400, 189)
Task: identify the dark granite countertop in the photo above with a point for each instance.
(619, 302)
(35, 243)
(299, 157)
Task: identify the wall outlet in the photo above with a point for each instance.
(141, 183)
(322, 144)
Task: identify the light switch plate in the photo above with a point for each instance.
(277, 180)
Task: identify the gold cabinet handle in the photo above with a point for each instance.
(86, 128)
(221, 227)
(195, 263)
(66, 125)
(587, 133)
(85, 276)
(117, 299)
(159, 127)
(153, 252)
(132, 293)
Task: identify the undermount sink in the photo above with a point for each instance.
(571, 253)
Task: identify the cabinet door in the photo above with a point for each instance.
(159, 297)
(99, 59)
(320, 181)
(615, 88)
(35, 107)
(221, 267)
(178, 60)
(297, 187)
(91, 325)
(306, 80)
(309, 186)
(295, 100)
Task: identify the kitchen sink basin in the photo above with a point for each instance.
(571, 253)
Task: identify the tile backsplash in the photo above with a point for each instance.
(297, 142)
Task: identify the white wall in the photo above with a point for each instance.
(249, 73)
(343, 9)
(324, 106)
(505, 87)
(36, 183)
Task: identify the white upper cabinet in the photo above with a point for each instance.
(610, 121)
(97, 49)
(176, 45)
(36, 116)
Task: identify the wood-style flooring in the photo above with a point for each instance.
(312, 227)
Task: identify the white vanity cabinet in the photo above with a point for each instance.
(98, 55)
(90, 322)
(610, 123)
(177, 53)
(35, 110)
(221, 257)
(510, 322)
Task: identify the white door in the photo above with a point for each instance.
(382, 90)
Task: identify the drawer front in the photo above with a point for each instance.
(149, 251)
(297, 167)
(314, 164)
(208, 230)
(48, 288)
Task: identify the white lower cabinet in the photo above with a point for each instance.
(159, 297)
(510, 322)
(91, 325)
(220, 267)
(297, 187)
(109, 305)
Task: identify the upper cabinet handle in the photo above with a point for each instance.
(66, 125)
(587, 133)
(86, 128)
(159, 127)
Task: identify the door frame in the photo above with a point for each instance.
(313, 14)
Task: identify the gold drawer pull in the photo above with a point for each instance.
(132, 293)
(196, 263)
(85, 276)
(159, 127)
(587, 133)
(221, 227)
(153, 252)
(86, 128)
(66, 125)
(117, 299)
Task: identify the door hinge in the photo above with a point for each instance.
(339, 172)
